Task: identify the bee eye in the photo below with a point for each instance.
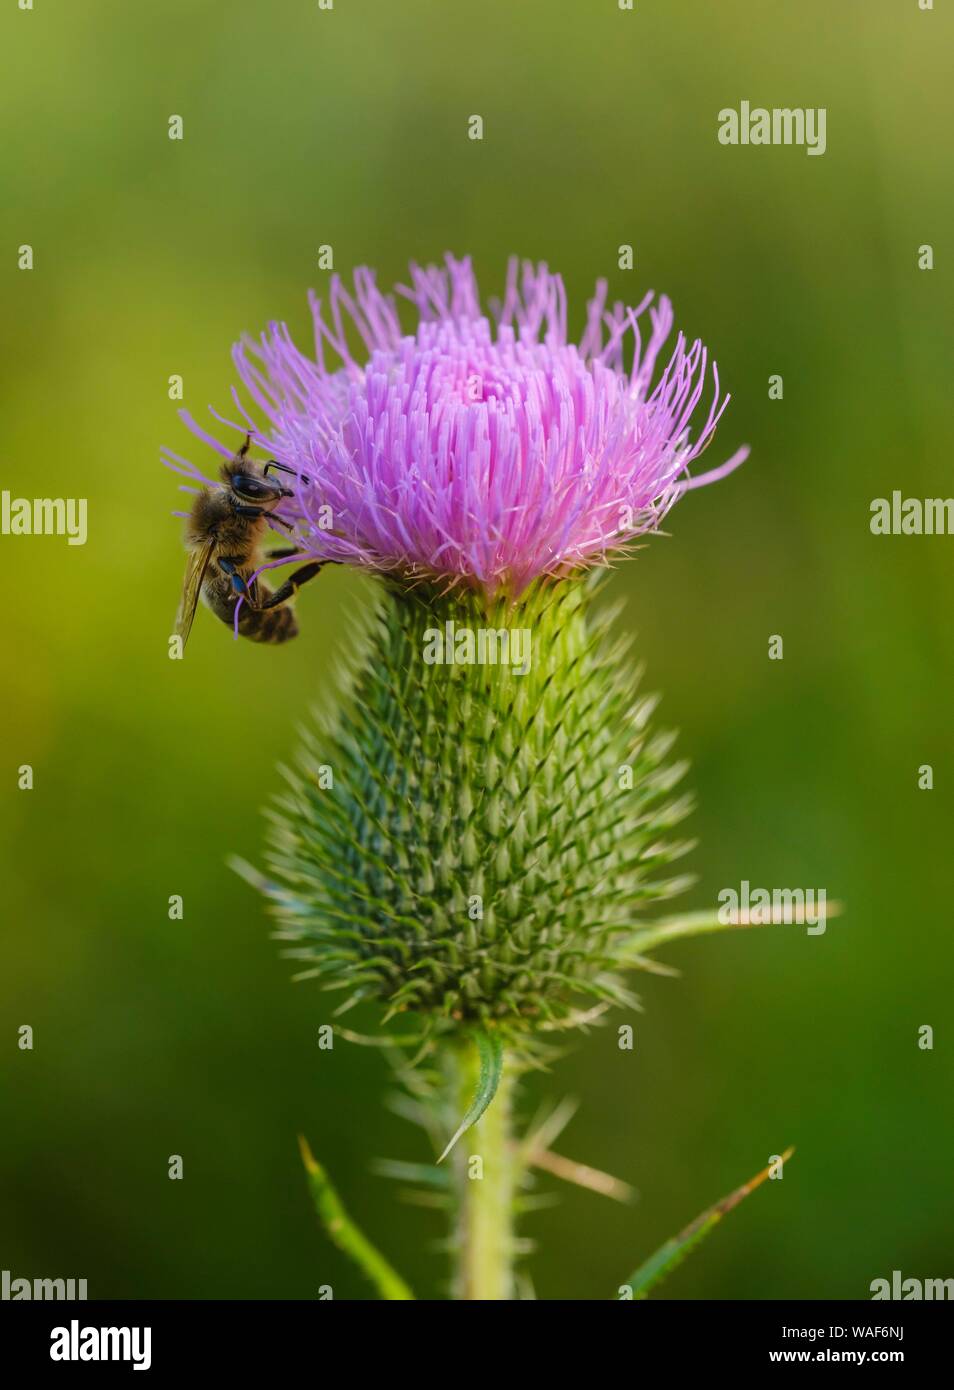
(248, 487)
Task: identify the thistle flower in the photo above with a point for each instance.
(484, 454)
(474, 839)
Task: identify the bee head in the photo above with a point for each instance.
(251, 487)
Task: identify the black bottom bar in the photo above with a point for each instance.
(309, 1337)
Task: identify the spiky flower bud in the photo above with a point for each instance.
(492, 829)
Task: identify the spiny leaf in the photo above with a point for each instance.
(675, 1251)
(345, 1234)
(582, 1175)
(424, 1173)
(490, 1051)
(536, 1151)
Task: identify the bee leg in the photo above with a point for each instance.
(284, 553)
(292, 584)
(230, 568)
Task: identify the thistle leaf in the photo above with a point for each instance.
(581, 1175)
(424, 1173)
(490, 1051)
(675, 1251)
(345, 1234)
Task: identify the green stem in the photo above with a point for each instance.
(345, 1234)
(485, 1178)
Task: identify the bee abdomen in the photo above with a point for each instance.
(268, 625)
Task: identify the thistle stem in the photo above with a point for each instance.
(485, 1180)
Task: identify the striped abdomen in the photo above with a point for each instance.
(257, 624)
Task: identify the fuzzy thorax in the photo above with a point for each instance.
(477, 830)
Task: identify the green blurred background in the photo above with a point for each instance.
(304, 127)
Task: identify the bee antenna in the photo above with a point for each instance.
(273, 463)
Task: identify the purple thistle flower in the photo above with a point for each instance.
(477, 450)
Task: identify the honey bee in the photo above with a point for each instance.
(225, 534)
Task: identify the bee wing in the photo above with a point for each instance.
(192, 588)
